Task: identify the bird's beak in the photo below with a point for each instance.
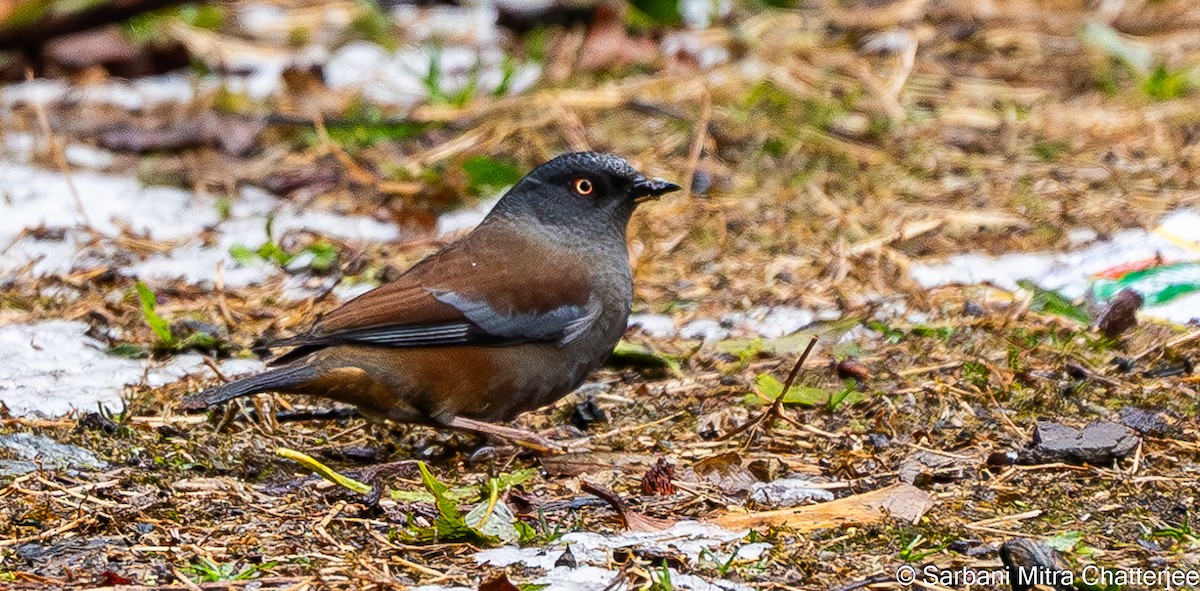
(645, 189)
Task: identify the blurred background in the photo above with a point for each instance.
(973, 203)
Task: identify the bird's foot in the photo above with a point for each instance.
(521, 437)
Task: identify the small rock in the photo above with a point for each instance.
(973, 309)
(567, 559)
(1144, 421)
(1120, 314)
(1097, 444)
(923, 467)
(587, 413)
(787, 492)
(1001, 459)
(26, 452)
(1023, 558)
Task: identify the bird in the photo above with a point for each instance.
(509, 318)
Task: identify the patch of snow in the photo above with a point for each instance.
(1177, 238)
(704, 329)
(131, 95)
(700, 14)
(593, 553)
(53, 368)
(462, 220)
(693, 45)
(770, 322)
(398, 78)
(659, 326)
(34, 198)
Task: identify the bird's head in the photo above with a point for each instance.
(582, 188)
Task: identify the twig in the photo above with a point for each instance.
(425, 570)
(215, 368)
(1175, 342)
(50, 533)
(1004, 519)
(867, 582)
(190, 584)
(776, 408)
(906, 232)
(697, 148)
(628, 429)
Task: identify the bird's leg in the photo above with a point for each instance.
(520, 437)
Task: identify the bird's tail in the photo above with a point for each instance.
(283, 378)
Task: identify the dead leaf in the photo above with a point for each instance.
(900, 501)
(634, 521)
(725, 472)
(498, 582)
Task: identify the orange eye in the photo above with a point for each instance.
(583, 186)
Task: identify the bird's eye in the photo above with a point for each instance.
(583, 186)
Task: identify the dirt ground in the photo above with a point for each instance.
(826, 147)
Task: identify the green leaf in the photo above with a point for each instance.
(1053, 303)
(661, 581)
(510, 479)
(324, 256)
(202, 16)
(272, 252)
(242, 254)
(526, 533)
(1163, 84)
(450, 525)
(366, 125)
(938, 332)
(768, 386)
(157, 323)
(129, 350)
(1066, 541)
(976, 374)
(658, 12)
(493, 518)
(891, 335)
(27, 13)
(640, 357)
(487, 175)
(767, 389)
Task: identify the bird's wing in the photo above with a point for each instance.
(493, 289)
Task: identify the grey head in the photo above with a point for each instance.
(580, 190)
